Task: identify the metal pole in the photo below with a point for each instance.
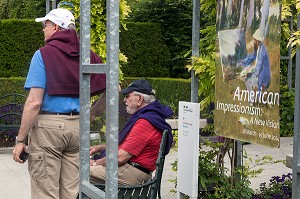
(112, 100)
(195, 48)
(47, 6)
(84, 95)
(296, 139)
(53, 4)
(238, 151)
(290, 65)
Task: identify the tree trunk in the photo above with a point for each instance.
(250, 15)
(264, 16)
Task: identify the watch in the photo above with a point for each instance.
(19, 141)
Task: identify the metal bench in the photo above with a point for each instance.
(11, 107)
(151, 188)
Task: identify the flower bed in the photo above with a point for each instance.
(278, 188)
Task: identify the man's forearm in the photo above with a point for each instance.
(123, 158)
(30, 112)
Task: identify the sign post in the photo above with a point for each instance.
(188, 149)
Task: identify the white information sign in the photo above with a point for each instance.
(188, 149)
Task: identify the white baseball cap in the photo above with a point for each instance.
(59, 16)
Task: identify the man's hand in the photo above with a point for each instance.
(17, 151)
(97, 148)
(93, 150)
(96, 162)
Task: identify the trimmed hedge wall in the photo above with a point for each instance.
(12, 85)
(19, 40)
(22, 9)
(142, 43)
(168, 91)
(145, 48)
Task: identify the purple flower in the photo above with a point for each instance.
(279, 187)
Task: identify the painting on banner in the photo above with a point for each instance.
(248, 71)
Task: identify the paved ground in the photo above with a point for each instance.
(14, 178)
(15, 184)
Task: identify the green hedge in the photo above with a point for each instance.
(145, 48)
(19, 40)
(22, 9)
(12, 85)
(142, 43)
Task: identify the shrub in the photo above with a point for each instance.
(12, 85)
(216, 181)
(18, 46)
(147, 53)
(176, 20)
(286, 107)
(22, 9)
(278, 187)
(213, 179)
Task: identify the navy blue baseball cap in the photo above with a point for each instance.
(142, 86)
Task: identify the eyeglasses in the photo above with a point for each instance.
(45, 24)
(127, 96)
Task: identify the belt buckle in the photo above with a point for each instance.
(134, 164)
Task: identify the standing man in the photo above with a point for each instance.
(140, 138)
(50, 117)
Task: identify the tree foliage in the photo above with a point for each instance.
(291, 5)
(18, 45)
(176, 20)
(22, 9)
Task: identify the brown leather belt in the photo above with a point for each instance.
(139, 167)
(53, 113)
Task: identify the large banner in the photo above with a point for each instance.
(248, 71)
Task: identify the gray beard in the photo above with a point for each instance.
(132, 110)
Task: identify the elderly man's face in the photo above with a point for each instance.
(131, 101)
(49, 28)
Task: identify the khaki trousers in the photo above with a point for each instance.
(127, 175)
(53, 163)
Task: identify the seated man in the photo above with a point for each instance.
(140, 138)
